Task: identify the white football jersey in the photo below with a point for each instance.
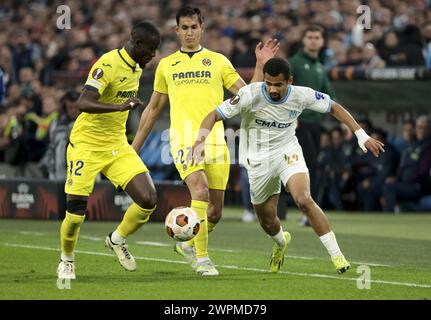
(267, 126)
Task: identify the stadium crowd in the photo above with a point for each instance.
(42, 68)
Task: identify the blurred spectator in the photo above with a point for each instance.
(354, 56)
(243, 54)
(328, 173)
(25, 53)
(53, 163)
(398, 54)
(36, 129)
(308, 71)
(366, 124)
(226, 47)
(12, 136)
(426, 29)
(377, 170)
(370, 58)
(353, 165)
(408, 136)
(335, 54)
(412, 177)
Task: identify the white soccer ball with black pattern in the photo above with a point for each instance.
(182, 224)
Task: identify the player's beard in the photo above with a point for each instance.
(275, 96)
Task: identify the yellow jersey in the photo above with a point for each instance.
(116, 77)
(194, 83)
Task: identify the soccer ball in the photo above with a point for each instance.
(182, 224)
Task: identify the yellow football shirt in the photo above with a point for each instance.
(116, 77)
(195, 88)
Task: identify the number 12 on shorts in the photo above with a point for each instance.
(78, 166)
(291, 159)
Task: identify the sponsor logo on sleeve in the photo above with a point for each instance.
(97, 73)
(234, 100)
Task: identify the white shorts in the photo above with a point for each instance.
(265, 178)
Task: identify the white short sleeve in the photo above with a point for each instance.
(316, 101)
(234, 105)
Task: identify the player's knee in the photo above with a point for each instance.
(305, 203)
(76, 206)
(265, 221)
(148, 199)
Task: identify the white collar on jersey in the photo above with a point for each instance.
(268, 98)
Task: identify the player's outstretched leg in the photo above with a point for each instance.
(214, 213)
(141, 190)
(198, 186)
(299, 187)
(267, 215)
(69, 232)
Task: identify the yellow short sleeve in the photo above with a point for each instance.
(159, 80)
(100, 75)
(228, 72)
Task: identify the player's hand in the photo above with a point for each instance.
(266, 51)
(198, 153)
(131, 104)
(375, 146)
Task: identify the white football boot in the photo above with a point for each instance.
(66, 270)
(124, 256)
(206, 268)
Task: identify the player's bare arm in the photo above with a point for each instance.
(365, 142)
(89, 102)
(263, 52)
(148, 118)
(204, 130)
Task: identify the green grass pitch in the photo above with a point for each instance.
(396, 248)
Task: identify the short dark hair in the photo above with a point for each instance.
(314, 28)
(276, 66)
(188, 11)
(144, 29)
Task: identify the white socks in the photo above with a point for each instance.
(67, 258)
(116, 238)
(202, 259)
(279, 238)
(330, 243)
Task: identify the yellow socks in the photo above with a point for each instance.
(210, 226)
(200, 241)
(133, 219)
(69, 232)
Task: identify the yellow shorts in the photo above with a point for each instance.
(216, 165)
(119, 166)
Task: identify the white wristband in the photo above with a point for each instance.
(362, 138)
